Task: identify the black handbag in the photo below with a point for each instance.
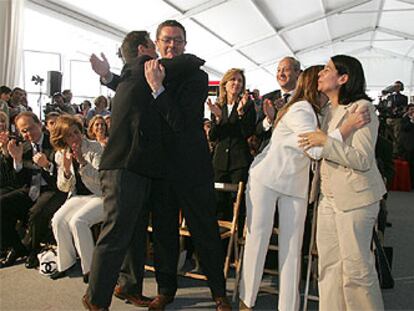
(383, 263)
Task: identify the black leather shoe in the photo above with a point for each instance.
(58, 275)
(32, 261)
(11, 257)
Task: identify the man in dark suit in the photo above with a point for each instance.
(189, 173)
(131, 167)
(38, 197)
(287, 75)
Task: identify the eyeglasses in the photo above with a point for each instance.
(168, 40)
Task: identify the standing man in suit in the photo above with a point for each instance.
(287, 75)
(130, 162)
(132, 168)
(38, 198)
(189, 182)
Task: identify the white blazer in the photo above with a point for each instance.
(282, 165)
(92, 152)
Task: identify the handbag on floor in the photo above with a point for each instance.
(47, 261)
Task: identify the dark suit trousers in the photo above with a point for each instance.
(199, 208)
(17, 205)
(120, 249)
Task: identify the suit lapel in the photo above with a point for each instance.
(337, 117)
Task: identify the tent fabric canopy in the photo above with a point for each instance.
(256, 34)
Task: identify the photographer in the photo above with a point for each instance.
(58, 105)
(396, 104)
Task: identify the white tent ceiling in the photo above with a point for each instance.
(256, 34)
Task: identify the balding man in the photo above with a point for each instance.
(287, 75)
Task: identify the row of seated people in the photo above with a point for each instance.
(50, 178)
(14, 101)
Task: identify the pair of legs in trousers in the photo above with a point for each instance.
(71, 227)
(120, 250)
(347, 275)
(260, 208)
(199, 208)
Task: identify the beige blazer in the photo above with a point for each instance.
(352, 172)
(92, 152)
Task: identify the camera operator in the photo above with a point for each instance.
(396, 104)
(58, 105)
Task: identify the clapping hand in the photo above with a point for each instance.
(242, 103)
(101, 67)
(77, 153)
(41, 160)
(215, 110)
(269, 110)
(15, 150)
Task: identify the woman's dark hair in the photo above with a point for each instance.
(354, 88)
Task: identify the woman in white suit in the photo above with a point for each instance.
(280, 174)
(78, 162)
(351, 188)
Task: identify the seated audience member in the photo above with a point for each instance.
(38, 198)
(16, 103)
(8, 177)
(67, 98)
(107, 119)
(59, 105)
(5, 93)
(101, 105)
(50, 121)
(407, 139)
(97, 130)
(85, 107)
(78, 162)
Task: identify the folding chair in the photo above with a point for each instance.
(227, 228)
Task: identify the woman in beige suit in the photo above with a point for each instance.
(351, 188)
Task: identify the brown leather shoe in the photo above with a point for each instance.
(91, 307)
(160, 302)
(243, 307)
(222, 304)
(137, 300)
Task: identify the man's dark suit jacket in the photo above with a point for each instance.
(24, 177)
(162, 137)
(232, 151)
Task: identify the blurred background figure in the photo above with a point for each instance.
(97, 130)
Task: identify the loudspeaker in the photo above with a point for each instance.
(54, 82)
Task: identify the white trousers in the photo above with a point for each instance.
(347, 275)
(260, 208)
(71, 226)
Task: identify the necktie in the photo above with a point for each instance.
(36, 181)
(286, 97)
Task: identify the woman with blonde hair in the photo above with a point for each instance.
(233, 122)
(97, 130)
(101, 108)
(351, 189)
(78, 161)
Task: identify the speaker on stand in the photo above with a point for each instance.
(54, 82)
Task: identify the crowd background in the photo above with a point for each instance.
(237, 131)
